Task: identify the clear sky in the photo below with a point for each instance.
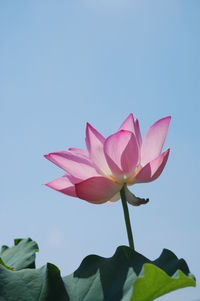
(63, 63)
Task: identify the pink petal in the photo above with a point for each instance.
(76, 165)
(97, 190)
(121, 151)
(153, 169)
(79, 151)
(138, 133)
(94, 142)
(154, 140)
(128, 124)
(64, 185)
(132, 125)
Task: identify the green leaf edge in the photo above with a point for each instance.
(18, 240)
(5, 265)
(175, 282)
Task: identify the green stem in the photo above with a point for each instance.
(127, 218)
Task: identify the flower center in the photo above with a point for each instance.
(131, 179)
(125, 179)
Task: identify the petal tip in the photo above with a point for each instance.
(88, 126)
(47, 156)
(166, 153)
(130, 116)
(165, 121)
(167, 118)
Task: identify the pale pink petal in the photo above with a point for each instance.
(132, 125)
(94, 142)
(154, 140)
(76, 165)
(79, 151)
(64, 185)
(121, 151)
(97, 190)
(115, 198)
(153, 169)
(138, 133)
(128, 124)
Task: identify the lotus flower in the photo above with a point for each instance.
(98, 174)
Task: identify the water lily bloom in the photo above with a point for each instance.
(98, 173)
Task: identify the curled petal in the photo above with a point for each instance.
(64, 185)
(153, 169)
(97, 190)
(134, 200)
(94, 142)
(121, 151)
(77, 166)
(154, 140)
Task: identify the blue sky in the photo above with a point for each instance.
(63, 63)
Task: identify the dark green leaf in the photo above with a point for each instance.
(44, 284)
(127, 275)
